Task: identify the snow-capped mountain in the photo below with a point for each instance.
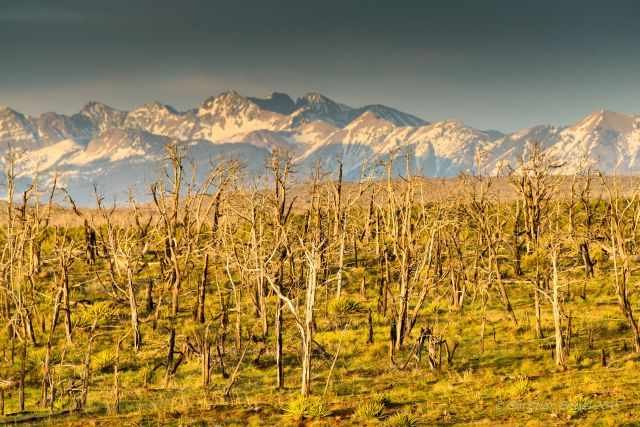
(122, 150)
(16, 129)
(277, 102)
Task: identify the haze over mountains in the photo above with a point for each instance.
(118, 150)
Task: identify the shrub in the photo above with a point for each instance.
(579, 407)
(402, 419)
(301, 407)
(103, 361)
(518, 388)
(373, 407)
(346, 306)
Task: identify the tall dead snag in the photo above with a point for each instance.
(313, 264)
(405, 255)
(535, 183)
(488, 222)
(25, 226)
(27, 223)
(622, 212)
(281, 170)
(168, 205)
(339, 228)
(581, 219)
(344, 221)
(256, 259)
(125, 249)
(553, 245)
(183, 207)
(65, 256)
(556, 304)
(91, 319)
(199, 312)
(516, 241)
(305, 320)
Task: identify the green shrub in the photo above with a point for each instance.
(373, 407)
(579, 407)
(402, 419)
(346, 306)
(103, 361)
(301, 407)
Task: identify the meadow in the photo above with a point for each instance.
(369, 303)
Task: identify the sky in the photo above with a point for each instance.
(494, 64)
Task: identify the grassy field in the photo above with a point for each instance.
(412, 308)
(513, 380)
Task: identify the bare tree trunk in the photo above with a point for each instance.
(86, 370)
(23, 367)
(557, 320)
(202, 291)
(133, 306)
(67, 307)
(206, 357)
(278, 334)
(307, 335)
(342, 232)
(149, 304)
(175, 292)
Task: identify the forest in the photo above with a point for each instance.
(512, 300)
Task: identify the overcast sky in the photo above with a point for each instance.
(490, 63)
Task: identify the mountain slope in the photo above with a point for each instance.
(119, 149)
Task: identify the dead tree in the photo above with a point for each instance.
(621, 210)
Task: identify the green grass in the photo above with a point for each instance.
(513, 381)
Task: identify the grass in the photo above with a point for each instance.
(512, 381)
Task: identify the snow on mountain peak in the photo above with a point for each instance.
(369, 119)
(100, 141)
(606, 120)
(228, 102)
(394, 116)
(101, 116)
(320, 103)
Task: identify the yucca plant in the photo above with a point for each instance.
(402, 419)
(372, 407)
(302, 407)
(346, 306)
(579, 406)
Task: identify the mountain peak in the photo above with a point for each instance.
(394, 116)
(314, 98)
(230, 96)
(8, 110)
(606, 120)
(95, 107)
(368, 116)
(225, 100)
(317, 100)
(315, 106)
(157, 106)
(278, 102)
(101, 116)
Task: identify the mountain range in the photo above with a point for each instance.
(122, 150)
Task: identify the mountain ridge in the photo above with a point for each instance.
(99, 140)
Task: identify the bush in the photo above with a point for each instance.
(373, 407)
(579, 407)
(301, 407)
(346, 306)
(103, 361)
(518, 388)
(402, 419)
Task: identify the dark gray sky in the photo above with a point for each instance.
(501, 64)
